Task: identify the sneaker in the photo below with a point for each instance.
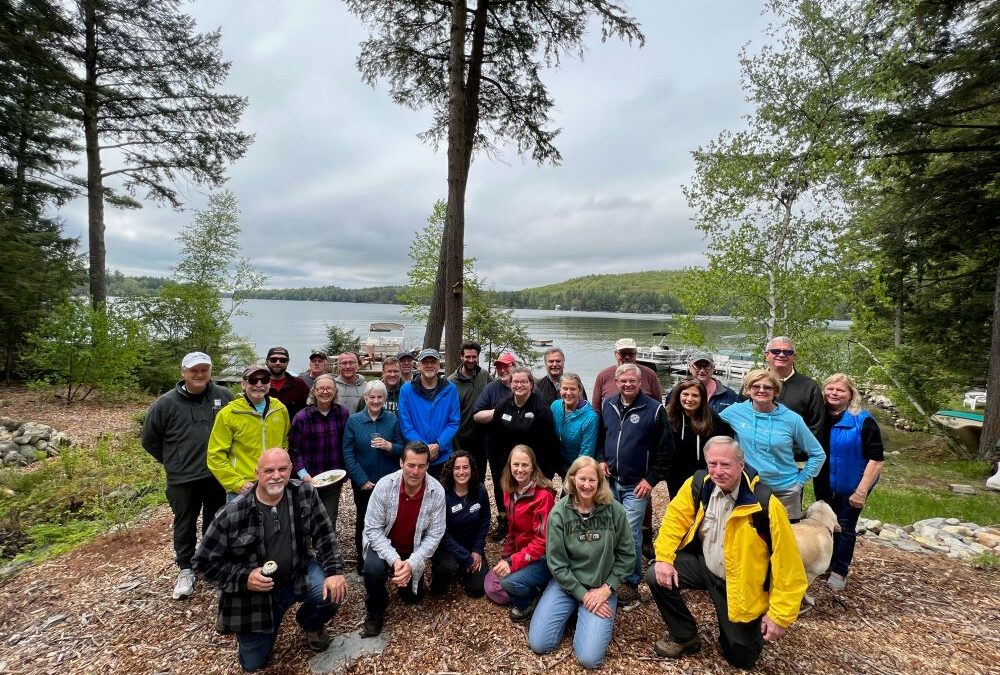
(628, 596)
(671, 648)
(371, 627)
(317, 640)
(184, 588)
(836, 581)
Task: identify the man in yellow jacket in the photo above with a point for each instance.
(245, 428)
(711, 543)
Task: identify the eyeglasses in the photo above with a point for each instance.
(626, 352)
(277, 359)
(276, 519)
(761, 387)
(259, 379)
(781, 352)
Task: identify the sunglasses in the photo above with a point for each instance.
(259, 379)
(277, 359)
(761, 387)
(781, 352)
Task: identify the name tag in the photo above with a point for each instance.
(506, 417)
(475, 507)
(529, 415)
(217, 403)
(458, 507)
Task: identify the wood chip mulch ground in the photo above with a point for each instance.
(106, 608)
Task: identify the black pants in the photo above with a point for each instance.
(187, 500)
(376, 573)
(741, 643)
(361, 498)
(446, 567)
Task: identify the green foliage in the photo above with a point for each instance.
(486, 322)
(340, 339)
(647, 292)
(77, 349)
(388, 295)
(86, 492)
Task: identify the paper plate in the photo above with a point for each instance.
(328, 478)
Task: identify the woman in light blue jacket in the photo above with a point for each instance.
(576, 422)
(768, 432)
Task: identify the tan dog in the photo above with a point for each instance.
(814, 535)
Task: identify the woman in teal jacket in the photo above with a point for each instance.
(576, 422)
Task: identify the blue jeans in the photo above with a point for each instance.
(255, 648)
(843, 541)
(548, 623)
(526, 584)
(635, 509)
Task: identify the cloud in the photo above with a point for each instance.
(337, 181)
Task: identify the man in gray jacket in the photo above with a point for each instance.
(404, 524)
(176, 434)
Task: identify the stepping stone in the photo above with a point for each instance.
(344, 651)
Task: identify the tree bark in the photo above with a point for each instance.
(991, 423)
(95, 182)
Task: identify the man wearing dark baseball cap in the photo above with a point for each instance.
(289, 389)
(319, 364)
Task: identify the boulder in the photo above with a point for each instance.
(959, 530)
(987, 538)
(929, 522)
(29, 453)
(951, 521)
(930, 543)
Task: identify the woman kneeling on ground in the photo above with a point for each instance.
(462, 552)
(854, 455)
(521, 574)
(590, 551)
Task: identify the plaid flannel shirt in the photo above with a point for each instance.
(234, 546)
(316, 441)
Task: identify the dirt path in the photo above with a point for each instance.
(105, 608)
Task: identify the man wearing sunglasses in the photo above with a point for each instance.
(247, 426)
(289, 389)
(799, 393)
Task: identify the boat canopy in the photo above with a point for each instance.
(385, 326)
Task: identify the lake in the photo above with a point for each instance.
(587, 338)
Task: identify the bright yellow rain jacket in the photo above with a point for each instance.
(745, 553)
(239, 437)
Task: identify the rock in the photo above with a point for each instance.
(14, 458)
(907, 545)
(888, 534)
(875, 526)
(908, 529)
(962, 490)
(959, 530)
(41, 446)
(978, 549)
(21, 440)
(29, 453)
(961, 551)
(929, 522)
(9, 423)
(59, 438)
(345, 650)
(930, 543)
(987, 539)
(951, 521)
(7, 446)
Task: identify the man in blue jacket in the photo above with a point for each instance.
(429, 410)
(633, 443)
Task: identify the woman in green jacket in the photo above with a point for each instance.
(589, 550)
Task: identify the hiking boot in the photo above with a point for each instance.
(372, 627)
(184, 588)
(671, 648)
(836, 581)
(518, 615)
(317, 640)
(628, 596)
(500, 533)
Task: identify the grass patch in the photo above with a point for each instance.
(50, 509)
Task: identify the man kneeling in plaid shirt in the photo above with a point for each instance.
(275, 521)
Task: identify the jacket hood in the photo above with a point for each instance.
(429, 394)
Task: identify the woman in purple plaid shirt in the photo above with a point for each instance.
(316, 440)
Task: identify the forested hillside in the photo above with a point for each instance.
(633, 292)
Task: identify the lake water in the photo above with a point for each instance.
(587, 338)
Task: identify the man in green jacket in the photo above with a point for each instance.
(249, 425)
(175, 433)
(471, 379)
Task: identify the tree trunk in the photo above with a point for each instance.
(435, 317)
(991, 424)
(95, 185)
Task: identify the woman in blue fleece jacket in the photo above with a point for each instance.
(576, 422)
(768, 432)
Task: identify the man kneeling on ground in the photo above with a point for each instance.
(404, 524)
(715, 543)
(273, 524)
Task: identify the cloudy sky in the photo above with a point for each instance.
(337, 182)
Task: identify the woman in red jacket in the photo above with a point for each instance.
(522, 573)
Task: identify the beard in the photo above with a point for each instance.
(273, 490)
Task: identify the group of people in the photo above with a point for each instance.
(416, 447)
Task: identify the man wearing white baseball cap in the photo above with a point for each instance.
(175, 433)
